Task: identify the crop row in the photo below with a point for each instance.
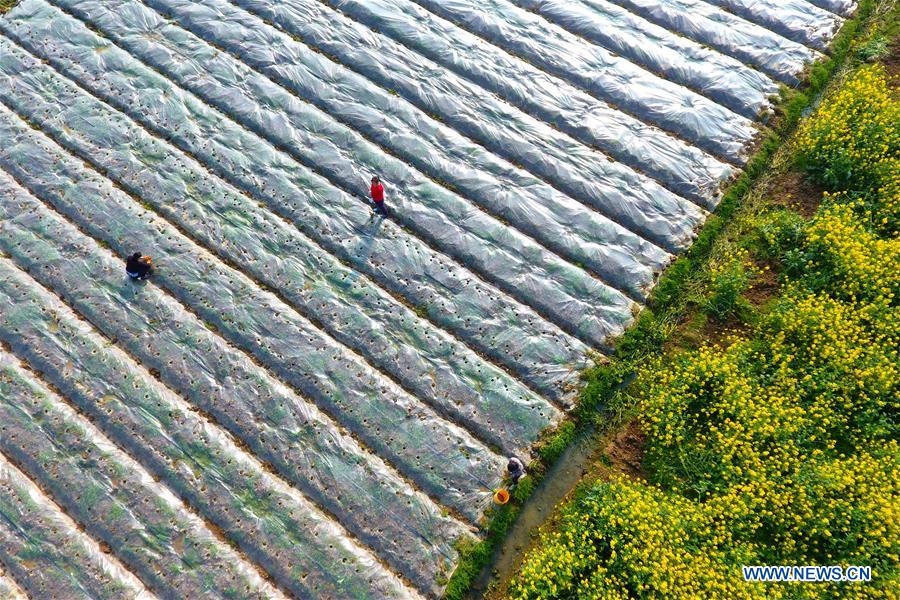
(481, 315)
(843, 8)
(797, 20)
(113, 498)
(769, 52)
(306, 551)
(720, 78)
(40, 545)
(609, 77)
(451, 221)
(357, 313)
(9, 589)
(682, 168)
(281, 428)
(441, 457)
(568, 165)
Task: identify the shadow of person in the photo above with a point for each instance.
(132, 293)
(368, 235)
(135, 281)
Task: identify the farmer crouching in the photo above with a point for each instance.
(138, 266)
(516, 470)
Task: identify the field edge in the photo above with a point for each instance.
(665, 305)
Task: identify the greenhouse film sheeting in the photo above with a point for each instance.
(307, 399)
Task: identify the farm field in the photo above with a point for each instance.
(306, 399)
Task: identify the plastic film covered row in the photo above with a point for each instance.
(718, 77)
(40, 545)
(451, 295)
(766, 50)
(444, 459)
(195, 458)
(436, 367)
(113, 498)
(607, 76)
(281, 428)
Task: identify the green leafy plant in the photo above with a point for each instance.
(728, 283)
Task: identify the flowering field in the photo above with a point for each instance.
(779, 446)
(307, 399)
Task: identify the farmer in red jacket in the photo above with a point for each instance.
(377, 191)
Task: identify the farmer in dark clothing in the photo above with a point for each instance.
(138, 266)
(377, 191)
(516, 470)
